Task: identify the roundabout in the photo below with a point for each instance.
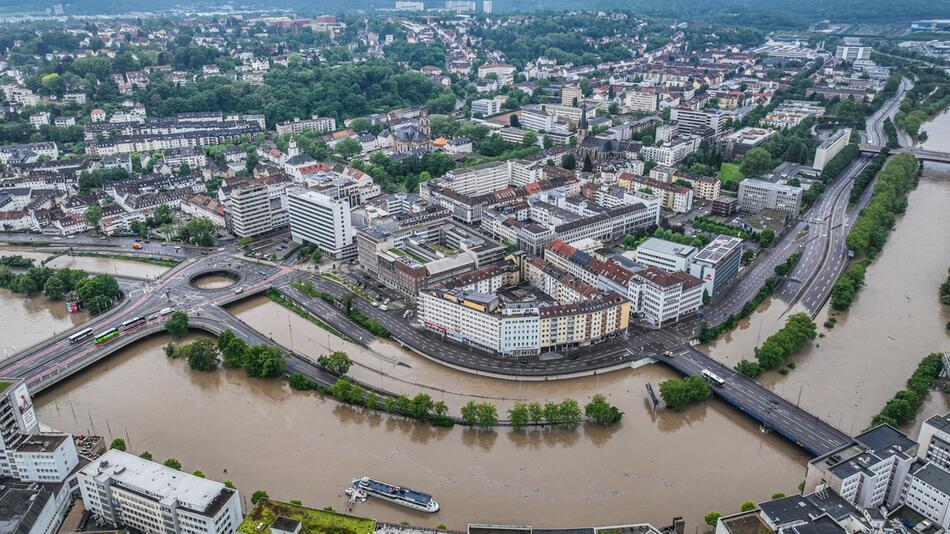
(215, 279)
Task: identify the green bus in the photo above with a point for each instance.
(106, 336)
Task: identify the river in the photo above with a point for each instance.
(651, 467)
(91, 264)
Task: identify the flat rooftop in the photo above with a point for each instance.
(162, 483)
(312, 521)
(667, 247)
(718, 248)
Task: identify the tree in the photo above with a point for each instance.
(146, 456)
(258, 495)
(228, 484)
(118, 444)
(712, 518)
(173, 463)
(568, 162)
(348, 148)
(569, 412)
(54, 288)
(177, 324)
(678, 393)
(529, 139)
(264, 361)
(198, 231)
(756, 162)
(162, 215)
(486, 415)
(766, 237)
(93, 215)
(547, 142)
(778, 495)
(337, 362)
(202, 355)
(233, 349)
(602, 411)
(519, 415)
(420, 406)
(535, 412)
(198, 473)
(514, 121)
(747, 506)
(469, 412)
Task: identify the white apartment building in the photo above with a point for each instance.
(249, 211)
(692, 120)
(934, 439)
(665, 297)
(666, 255)
(318, 219)
(476, 180)
(637, 100)
(756, 195)
(485, 107)
(673, 151)
(717, 264)
(828, 149)
(45, 458)
(316, 124)
(853, 53)
(571, 95)
(40, 119)
(123, 490)
(504, 72)
(537, 120)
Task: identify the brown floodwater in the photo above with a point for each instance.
(262, 435)
(29, 320)
(91, 264)
(651, 467)
(214, 281)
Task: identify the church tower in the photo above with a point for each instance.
(582, 126)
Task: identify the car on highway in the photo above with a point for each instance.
(239, 290)
(57, 238)
(668, 353)
(375, 304)
(383, 307)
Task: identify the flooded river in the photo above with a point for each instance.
(653, 466)
(91, 264)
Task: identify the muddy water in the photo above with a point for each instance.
(214, 281)
(938, 133)
(29, 320)
(301, 446)
(897, 319)
(92, 264)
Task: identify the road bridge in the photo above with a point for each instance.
(772, 411)
(921, 154)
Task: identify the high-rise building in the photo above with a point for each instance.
(756, 195)
(717, 264)
(121, 489)
(248, 211)
(853, 53)
(486, 7)
(318, 219)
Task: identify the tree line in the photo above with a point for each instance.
(870, 230)
(902, 408)
(97, 293)
(799, 329)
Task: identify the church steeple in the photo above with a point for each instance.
(582, 125)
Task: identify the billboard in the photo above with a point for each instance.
(24, 413)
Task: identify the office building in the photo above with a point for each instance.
(934, 439)
(318, 219)
(927, 492)
(571, 95)
(673, 151)
(736, 144)
(485, 107)
(756, 195)
(665, 255)
(830, 147)
(869, 471)
(663, 297)
(642, 100)
(123, 490)
(717, 264)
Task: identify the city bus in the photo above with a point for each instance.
(714, 378)
(106, 336)
(131, 323)
(79, 336)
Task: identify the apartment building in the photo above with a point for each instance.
(673, 151)
(248, 211)
(123, 490)
(927, 491)
(665, 255)
(736, 144)
(756, 195)
(673, 197)
(571, 96)
(853, 53)
(934, 439)
(504, 72)
(319, 219)
(717, 264)
(313, 124)
(704, 187)
(641, 100)
(694, 120)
